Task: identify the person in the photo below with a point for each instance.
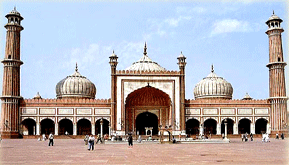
(139, 139)
(282, 136)
(43, 137)
(50, 137)
(223, 136)
(129, 139)
(246, 136)
(66, 133)
(174, 139)
(251, 136)
(242, 136)
(86, 139)
(98, 139)
(277, 136)
(267, 139)
(91, 143)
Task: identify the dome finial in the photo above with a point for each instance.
(273, 12)
(76, 69)
(212, 68)
(145, 49)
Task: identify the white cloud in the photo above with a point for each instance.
(175, 21)
(229, 26)
(87, 56)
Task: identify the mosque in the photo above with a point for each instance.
(145, 98)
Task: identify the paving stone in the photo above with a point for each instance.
(73, 151)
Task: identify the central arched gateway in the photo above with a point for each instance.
(144, 120)
(147, 103)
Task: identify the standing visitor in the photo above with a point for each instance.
(282, 136)
(86, 139)
(277, 136)
(98, 139)
(50, 137)
(91, 143)
(129, 139)
(251, 136)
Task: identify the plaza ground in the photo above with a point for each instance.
(73, 151)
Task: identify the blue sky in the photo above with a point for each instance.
(229, 34)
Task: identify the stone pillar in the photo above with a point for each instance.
(226, 128)
(218, 128)
(235, 129)
(101, 128)
(74, 129)
(56, 128)
(252, 128)
(268, 131)
(109, 133)
(201, 129)
(93, 128)
(37, 128)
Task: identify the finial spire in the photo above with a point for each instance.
(273, 12)
(112, 51)
(212, 68)
(76, 69)
(145, 49)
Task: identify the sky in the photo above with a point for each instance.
(228, 34)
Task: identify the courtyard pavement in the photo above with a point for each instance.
(73, 151)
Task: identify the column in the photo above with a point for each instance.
(218, 128)
(74, 129)
(56, 128)
(93, 128)
(226, 128)
(268, 131)
(252, 128)
(101, 128)
(201, 129)
(109, 133)
(235, 129)
(37, 128)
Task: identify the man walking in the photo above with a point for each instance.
(91, 143)
(51, 137)
(129, 141)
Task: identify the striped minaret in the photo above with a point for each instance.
(276, 67)
(11, 77)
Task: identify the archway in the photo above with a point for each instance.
(28, 126)
(105, 127)
(261, 126)
(192, 127)
(65, 125)
(230, 125)
(210, 126)
(244, 126)
(146, 119)
(147, 99)
(47, 126)
(83, 127)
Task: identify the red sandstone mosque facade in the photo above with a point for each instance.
(144, 97)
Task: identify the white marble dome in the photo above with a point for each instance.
(213, 86)
(145, 64)
(75, 86)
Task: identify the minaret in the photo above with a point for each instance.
(276, 67)
(11, 77)
(182, 63)
(113, 63)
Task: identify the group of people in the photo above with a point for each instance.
(89, 140)
(282, 136)
(50, 137)
(245, 137)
